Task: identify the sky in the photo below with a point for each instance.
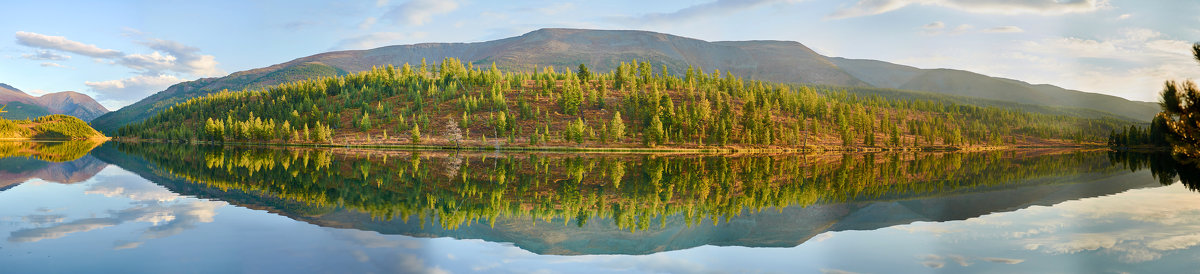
(122, 51)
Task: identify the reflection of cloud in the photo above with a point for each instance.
(1135, 226)
(930, 228)
(360, 256)
(177, 218)
(822, 237)
(836, 271)
(132, 189)
(119, 245)
(371, 239)
(1002, 260)
(1175, 242)
(36, 219)
(933, 264)
(959, 259)
(58, 231)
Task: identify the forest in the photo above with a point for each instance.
(451, 189)
(49, 127)
(636, 105)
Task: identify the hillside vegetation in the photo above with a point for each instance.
(603, 50)
(637, 105)
(50, 127)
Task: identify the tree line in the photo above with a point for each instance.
(633, 105)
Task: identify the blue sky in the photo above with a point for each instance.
(120, 52)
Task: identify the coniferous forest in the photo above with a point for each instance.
(636, 105)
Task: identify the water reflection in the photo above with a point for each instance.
(1167, 168)
(165, 207)
(56, 151)
(621, 204)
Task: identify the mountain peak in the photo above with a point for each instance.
(71, 103)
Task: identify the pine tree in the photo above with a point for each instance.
(654, 133)
(415, 134)
(616, 128)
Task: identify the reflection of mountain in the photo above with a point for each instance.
(16, 170)
(768, 228)
(494, 199)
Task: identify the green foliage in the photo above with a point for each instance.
(630, 192)
(415, 134)
(615, 128)
(1180, 117)
(49, 127)
(699, 109)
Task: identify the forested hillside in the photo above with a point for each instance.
(636, 105)
(50, 127)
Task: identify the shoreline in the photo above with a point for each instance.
(714, 150)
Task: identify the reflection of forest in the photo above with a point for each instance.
(60, 162)
(633, 191)
(1165, 167)
(48, 151)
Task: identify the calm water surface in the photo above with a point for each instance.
(66, 207)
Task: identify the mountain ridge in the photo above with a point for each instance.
(71, 103)
(601, 50)
(971, 84)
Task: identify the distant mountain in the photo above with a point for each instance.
(970, 84)
(603, 50)
(74, 104)
(21, 105)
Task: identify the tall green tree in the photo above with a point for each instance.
(1181, 111)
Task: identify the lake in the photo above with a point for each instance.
(89, 207)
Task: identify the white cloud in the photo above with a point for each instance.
(153, 63)
(52, 64)
(45, 55)
(1124, 16)
(375, 40)
(118, 93)
(186, 58)
(556, 8)
(1005, 29)
(705, 10)
(938, 28)
(419, 12)
(63, 44)
(1131, 63)
(367, 23)
(167, 56)
(1041, 7)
